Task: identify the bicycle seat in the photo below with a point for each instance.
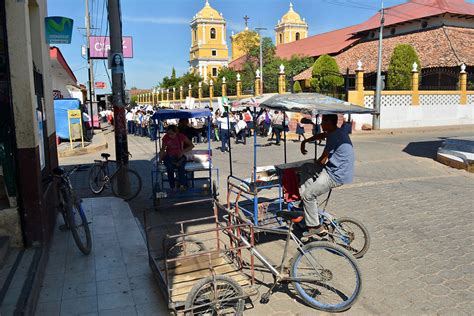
(294, 216)
(105, 156)
(58, 171)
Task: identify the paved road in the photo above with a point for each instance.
(418, 212)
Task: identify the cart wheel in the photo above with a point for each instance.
(219, 295)
(176, 248)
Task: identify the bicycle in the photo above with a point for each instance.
(346, 232)
(70, 207)
(100, 177)
(325, 275)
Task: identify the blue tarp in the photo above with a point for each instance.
(61, 107)
(179, 114)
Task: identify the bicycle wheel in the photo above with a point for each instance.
(333, 279)
(219, 296)
(97, 179)
(176, 247)
(79, 226)
(353, 236)
(135, 185)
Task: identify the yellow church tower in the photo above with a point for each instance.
(290, 28)
(209, 52)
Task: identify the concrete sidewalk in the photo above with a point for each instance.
(99, 143)
(114, 279)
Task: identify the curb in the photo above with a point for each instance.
(92, 148)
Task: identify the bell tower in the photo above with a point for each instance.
(290, 28)
(209, 52)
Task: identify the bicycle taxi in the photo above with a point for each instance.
(259, 197)
(201, 175)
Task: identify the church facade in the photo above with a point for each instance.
(209, 51)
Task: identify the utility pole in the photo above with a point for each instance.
(91, 66)
(118, 95)
(261, 57)
(378, 88)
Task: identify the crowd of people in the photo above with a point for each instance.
(238, 125)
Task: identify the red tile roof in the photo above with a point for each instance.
(238, 64)
(417, 9)
(442, 47)
(325, 43)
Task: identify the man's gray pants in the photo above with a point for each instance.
(314, 181)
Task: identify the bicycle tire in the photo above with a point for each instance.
(174, 247)
(192, 300)
(95, 174)
(329, 253)
(71, 211)
(366, 237)
(133, 177)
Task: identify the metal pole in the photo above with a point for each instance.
(91, 67)
(378, 89)
(115, 26)
(261, 57)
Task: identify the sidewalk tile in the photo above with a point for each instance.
(48, 309)
(123, 311)
(114, 300)
(142, 281)
(146, 295)
(50, 294)
(152, 309)
(77, 306)
(79, 290)
(113, 273)
(78, 278)
(113, 286)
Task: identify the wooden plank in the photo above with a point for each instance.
(184, 296)
(187, 286)
(197, 275)
(197, 265)
(189, 261)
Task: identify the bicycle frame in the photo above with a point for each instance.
(105, 164)
(280, 276)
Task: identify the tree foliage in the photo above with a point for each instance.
(400, 67)
(297, 87)
(246, 41)
(326, 75)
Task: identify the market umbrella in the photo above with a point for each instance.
(311, 103)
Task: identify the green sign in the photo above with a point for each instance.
(58, 29)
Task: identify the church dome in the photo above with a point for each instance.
(291, 16)
(208, 12)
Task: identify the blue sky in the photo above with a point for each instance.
(162, 37)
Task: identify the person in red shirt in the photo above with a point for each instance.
(174, 146)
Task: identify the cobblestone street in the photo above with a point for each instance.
(418, 212)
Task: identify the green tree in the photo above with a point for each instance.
(246, 41)
(297, 87)
(400, 67)
(326, 74)
(173, 74)
(230, 79)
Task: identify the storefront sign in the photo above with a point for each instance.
(58, 29)
(100, 46)
(100, 85)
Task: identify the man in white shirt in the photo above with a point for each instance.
(129, 118)
(224, 130)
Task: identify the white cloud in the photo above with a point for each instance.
(158, 20)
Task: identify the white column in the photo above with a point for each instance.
(204, 34)
(223, 35)
(205, 72)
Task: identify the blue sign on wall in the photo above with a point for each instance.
(58, 29)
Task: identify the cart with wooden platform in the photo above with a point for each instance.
(198, 266)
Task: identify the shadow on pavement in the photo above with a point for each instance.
(426, 149)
